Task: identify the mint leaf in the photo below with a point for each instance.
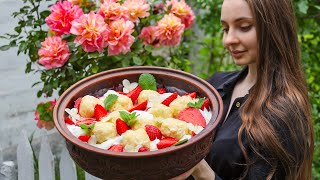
(109, 101)
(129, 118)
(181, 142)
(87, 128)
(147, 82)
(197, 104)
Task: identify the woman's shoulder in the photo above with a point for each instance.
(220, 78)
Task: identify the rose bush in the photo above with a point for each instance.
(74, 39)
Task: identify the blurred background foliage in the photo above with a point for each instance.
(210, 56)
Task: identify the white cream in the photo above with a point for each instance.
(105, 145)
(73, 113)
(127, 86)
(76, 130)
(153, 145)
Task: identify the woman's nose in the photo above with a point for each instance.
(230, 38)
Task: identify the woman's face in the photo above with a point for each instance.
(239, 36)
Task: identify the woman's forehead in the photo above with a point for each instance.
(235, 10)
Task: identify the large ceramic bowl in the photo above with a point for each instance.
(161, 164)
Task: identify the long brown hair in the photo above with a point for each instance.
(279, 100)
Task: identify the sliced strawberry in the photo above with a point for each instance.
(121, 126)
(206, 104)
(166, 142)
(161, 90)
(68, 121)
(141, 106)
(169, 99)
(86, 121)
(193, 94)
(77, 103)
(116, 148)
(99, 112)
(120, 92)
(193, 134)
(153, 132)
(84, 138)
(143, 149)
(192, 115)
(134, 94)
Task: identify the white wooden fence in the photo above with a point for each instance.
(24, 169)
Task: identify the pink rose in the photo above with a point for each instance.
(137, 9)
(182, 10)
(92, 32)
(169, 30)
(149, 37)
(63, 13)
(54, 52)
(111, 10)
(120, 38)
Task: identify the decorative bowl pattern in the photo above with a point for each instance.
(161, 164)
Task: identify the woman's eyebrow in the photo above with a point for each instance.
(237, 20)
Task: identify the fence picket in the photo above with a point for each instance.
(67, 167)
(46, 161)
(91, 177)
(25, 158)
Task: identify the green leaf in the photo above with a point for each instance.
(149, 48)
(5, 47)
(87, 128)
(137, 61)
(303, 6)
(180, 142)
(197, 104)
(129, 118)
(147, 82)
(110, 100)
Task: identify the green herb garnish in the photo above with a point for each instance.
(147, 82)
(197, 104)
(109, 101)
(129, 118)
(180, 142)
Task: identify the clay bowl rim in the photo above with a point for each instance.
(82, 145)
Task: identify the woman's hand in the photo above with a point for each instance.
(202, 171)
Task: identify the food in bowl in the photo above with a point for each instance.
(138, 117)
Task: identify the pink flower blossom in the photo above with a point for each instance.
(111, 10)
(182, 10)
(169, 30)
(63, 13)
(120, 38)
(91, 31)
(149, 37)
(54, 52)
(137, 9)
(45, 110)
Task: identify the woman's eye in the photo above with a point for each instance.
(245, 28)
(225, 30)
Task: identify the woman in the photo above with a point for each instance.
(266, 131)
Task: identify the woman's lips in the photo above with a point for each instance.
(237, 54)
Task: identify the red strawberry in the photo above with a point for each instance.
(134, 94)
(192, 95)
(192, 115)
(169, 99)
(86, 121)
(153, 132)
(161, 90)
(205, 104)
(68, 121)
(121, 126)
(123, 93)
(166, 142)
(141, 106)
(99, 112)
(193, 134)
(116, 148)
(143, 149)
(84, 138)
(77, 103)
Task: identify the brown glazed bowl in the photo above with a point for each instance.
(161, 164)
